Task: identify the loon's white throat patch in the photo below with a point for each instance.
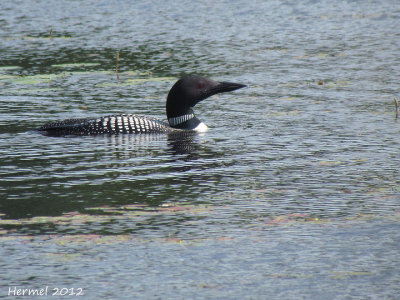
(201, 127)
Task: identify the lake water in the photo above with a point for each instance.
(293, 193)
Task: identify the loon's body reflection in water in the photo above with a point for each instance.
(177, 143)
(78, 173)
(172, 162)
(184, 143)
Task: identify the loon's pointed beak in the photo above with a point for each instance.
(224, 86)
(197, 88)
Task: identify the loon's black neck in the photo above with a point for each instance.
(179, 107)
(179, 112)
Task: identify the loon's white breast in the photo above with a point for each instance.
(201, 127)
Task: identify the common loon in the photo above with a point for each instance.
(183, 96)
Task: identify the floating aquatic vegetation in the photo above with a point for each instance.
(30, 79)
(71, 241)
(136, 73)
(74, 219)
(70, 72)
(347, 274)
(75, 65)
(90, 238)
(305, 219)
(34, 79)
(378, 190)
(4, 77)
(333, 163)
(154, 79)
(141, 210)
(330, 163)
(37, 38)
(322, 83)
(64, 257)
(334, 84)
(292, 219)
(340, 275)
(277, 114)
(290, 276)
(33, 91)
(9, 68)
(106, 214)
(135, 81)
(48, 78)
(289, 98)
(321, 55)
(288, 220)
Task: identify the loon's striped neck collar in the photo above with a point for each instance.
(188, 121)
(180, 119)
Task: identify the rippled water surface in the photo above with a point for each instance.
(293, 193)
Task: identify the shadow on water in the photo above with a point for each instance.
(113, 170)
(184, 143)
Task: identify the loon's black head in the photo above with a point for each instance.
(190, 90)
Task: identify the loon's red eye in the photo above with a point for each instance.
(201, 85)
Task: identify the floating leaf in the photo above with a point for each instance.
(155, 79)
(329, 163)
(27, 91)
(290, 219)
(35, 79)
(347, 274)
(75, 65)
(64, 257)
(289, 98)
(336, 84)
(284, 113)
(290, 276)
(134, 81)
(11, 222)
(322, 55)
(9, 68)
(27, 37)
(91, 238)
(360, 160)
(135, 73)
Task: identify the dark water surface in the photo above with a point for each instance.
(293, 193)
